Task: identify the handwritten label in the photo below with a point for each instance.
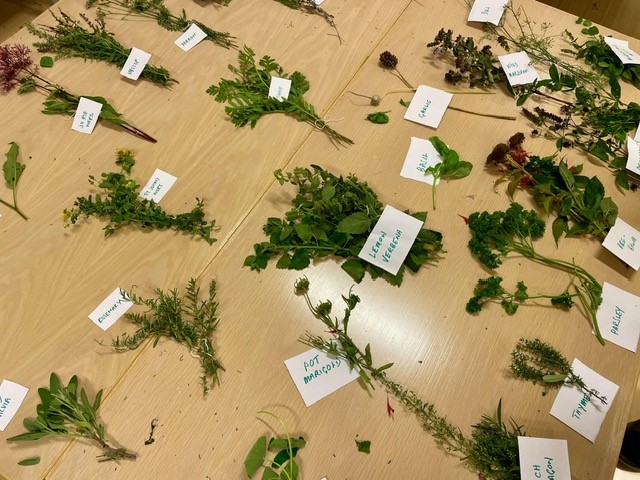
(135, 63)
(190, 38)
(110, 310)
(619, 317)
(317, 374)
(633, 160)
(621, 49)
(11, 396)
(518, 68)
(279, 88)
(391, 239)
(623, 241)
(421, 155)
(543, 459)
(428, 106)
(582, 412)
(487, 11)
(158, 186)
(86, 116)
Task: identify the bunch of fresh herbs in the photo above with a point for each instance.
(248, 95)
(13, 169)
(450, 168)
(61, 414)
(333, 215)
(311, 7)
(90, 40)
(121, 203)
(189, 321)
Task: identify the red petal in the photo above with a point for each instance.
(390, 410)
(466, 219)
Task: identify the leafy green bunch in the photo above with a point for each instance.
(248, 95)
(122, 204)
(492, 448)
(12, 170)
(333, 215)
(156, 10)
(578, 201)
(496, 235)
(189, 321)
(62, 414)
(91, 40)
(450, 168)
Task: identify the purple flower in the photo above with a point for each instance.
(13, 60)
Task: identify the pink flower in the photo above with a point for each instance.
(13, 60)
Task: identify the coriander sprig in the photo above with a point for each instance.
(13, 169)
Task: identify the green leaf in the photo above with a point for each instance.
(54, 383)
(290, 471)
(521, 99)
(27, 462)
(256, 456)
(328, 192)
(364, 446)
(282, 443)
(379, 117)
(593, 193)
(566, 175)
(553, 378)
(553, 73)
(354, 268)
(558, 227)
(46, 62)
(12, 167)
(300, 260)
(284, 262)
(616, 91)
(355, 223)
(269, 474)
(404, 103)
(304, 231)
(283, 456)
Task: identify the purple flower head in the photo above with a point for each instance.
(13, 59)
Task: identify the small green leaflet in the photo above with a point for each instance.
(12, 167)
(256, 456)
(46, 62)
(404, 103)
(379, 117)
(364, 446)
(451, 168)
(27, 462)
(358, 222)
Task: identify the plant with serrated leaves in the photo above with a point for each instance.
(312, 8)
(13, 169)
(334, 216)
(282, 466)
(92, 41)
(492, 448)
(156, 10)
(577, 201)
(450, 168)
(496, 235)
(122, 204)
(189, 321)
(248, 95)
(540, 363)
(61, 414)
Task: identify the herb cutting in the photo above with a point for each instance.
(13, 169)
(450, 168)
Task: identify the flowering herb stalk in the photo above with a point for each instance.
(13, 169)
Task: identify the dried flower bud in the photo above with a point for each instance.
(388, 60)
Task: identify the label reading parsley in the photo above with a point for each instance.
(543, 459)
(110, 310)
(619, 317)
(11, 396)
(623, 241)
(621, 49)
(428, 106)
(487, 11)
(633, 161)
(518, 68)
(189, 39)
(279, 88)
(86, 116)
(135, 63)
(421, 155)
(158, 186)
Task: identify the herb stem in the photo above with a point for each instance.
(490, 115)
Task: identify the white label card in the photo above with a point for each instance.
(621, 49)
(633, 160)
(279, 88)
(518, 68)
(317, 374)
(622, 241)
(487, 11)
(135, 63)
(428, 106)
(582, 412)
(318, 2)
(391, 239)
(543, 459)
(110, 310)
(189, 39)
(421, 155)
(158, 186)
(619, 317)
(11, 396)
(86, 117)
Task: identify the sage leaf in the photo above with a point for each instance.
(256, 456)
(27, 462)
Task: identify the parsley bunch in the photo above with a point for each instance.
(334, 216)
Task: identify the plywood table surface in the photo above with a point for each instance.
(53, 277)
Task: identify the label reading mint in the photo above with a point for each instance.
(622, 241)
(518, 68)
(279, 88)
(428, 106)
(619, 317)
(621, 49)
(391, 239)
(487, 11)
(189, 39)
(135, 63)
(158, 185)
(11, 396)
(543, 459)
(110, 310)
(633, 160)
(421, 155)
(86, 116)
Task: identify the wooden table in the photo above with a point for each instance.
(54, 277)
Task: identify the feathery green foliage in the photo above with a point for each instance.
(13, 169)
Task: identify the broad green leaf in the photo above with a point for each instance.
(566, 174)
(621, 180)
(290, 471)
(558, 227)
(553, 73)
(593, 193)
(284, 262)
(354, 268)
(269, 474)
(379, 117)
(300, 260)
(46, 62)
(439, 145)
(256, 456)
(282, 457)
(282, 443)
(616, 91)
(364, 446)
(54, 383)
(304, 231)
(12, 167)
(521, 99)
(27, 462)
(328, 192)
(355, 223)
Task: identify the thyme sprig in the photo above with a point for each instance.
(61, 414)
(90, 40)
(492, 448)
(189, 321)
(248, 95)
(156, 10)
(122, 204)
(310, 7)
(12, 170)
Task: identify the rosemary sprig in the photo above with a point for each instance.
(156, 10)
(13, 169)
(61, 414)
(248, 95)
(310, 7)
(70, 38)
(123, 206)
(189, 321)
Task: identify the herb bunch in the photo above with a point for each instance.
(62, 414)
(450, 168)
(492, 449)
(16, 68)
(122, 205)
(248, 95)
(578, 202)
(189, 321)
(156, 10)
(333, 215)
(538, 362)
(90, 40)
(312, 8)
(496, 235)
(12, 170)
